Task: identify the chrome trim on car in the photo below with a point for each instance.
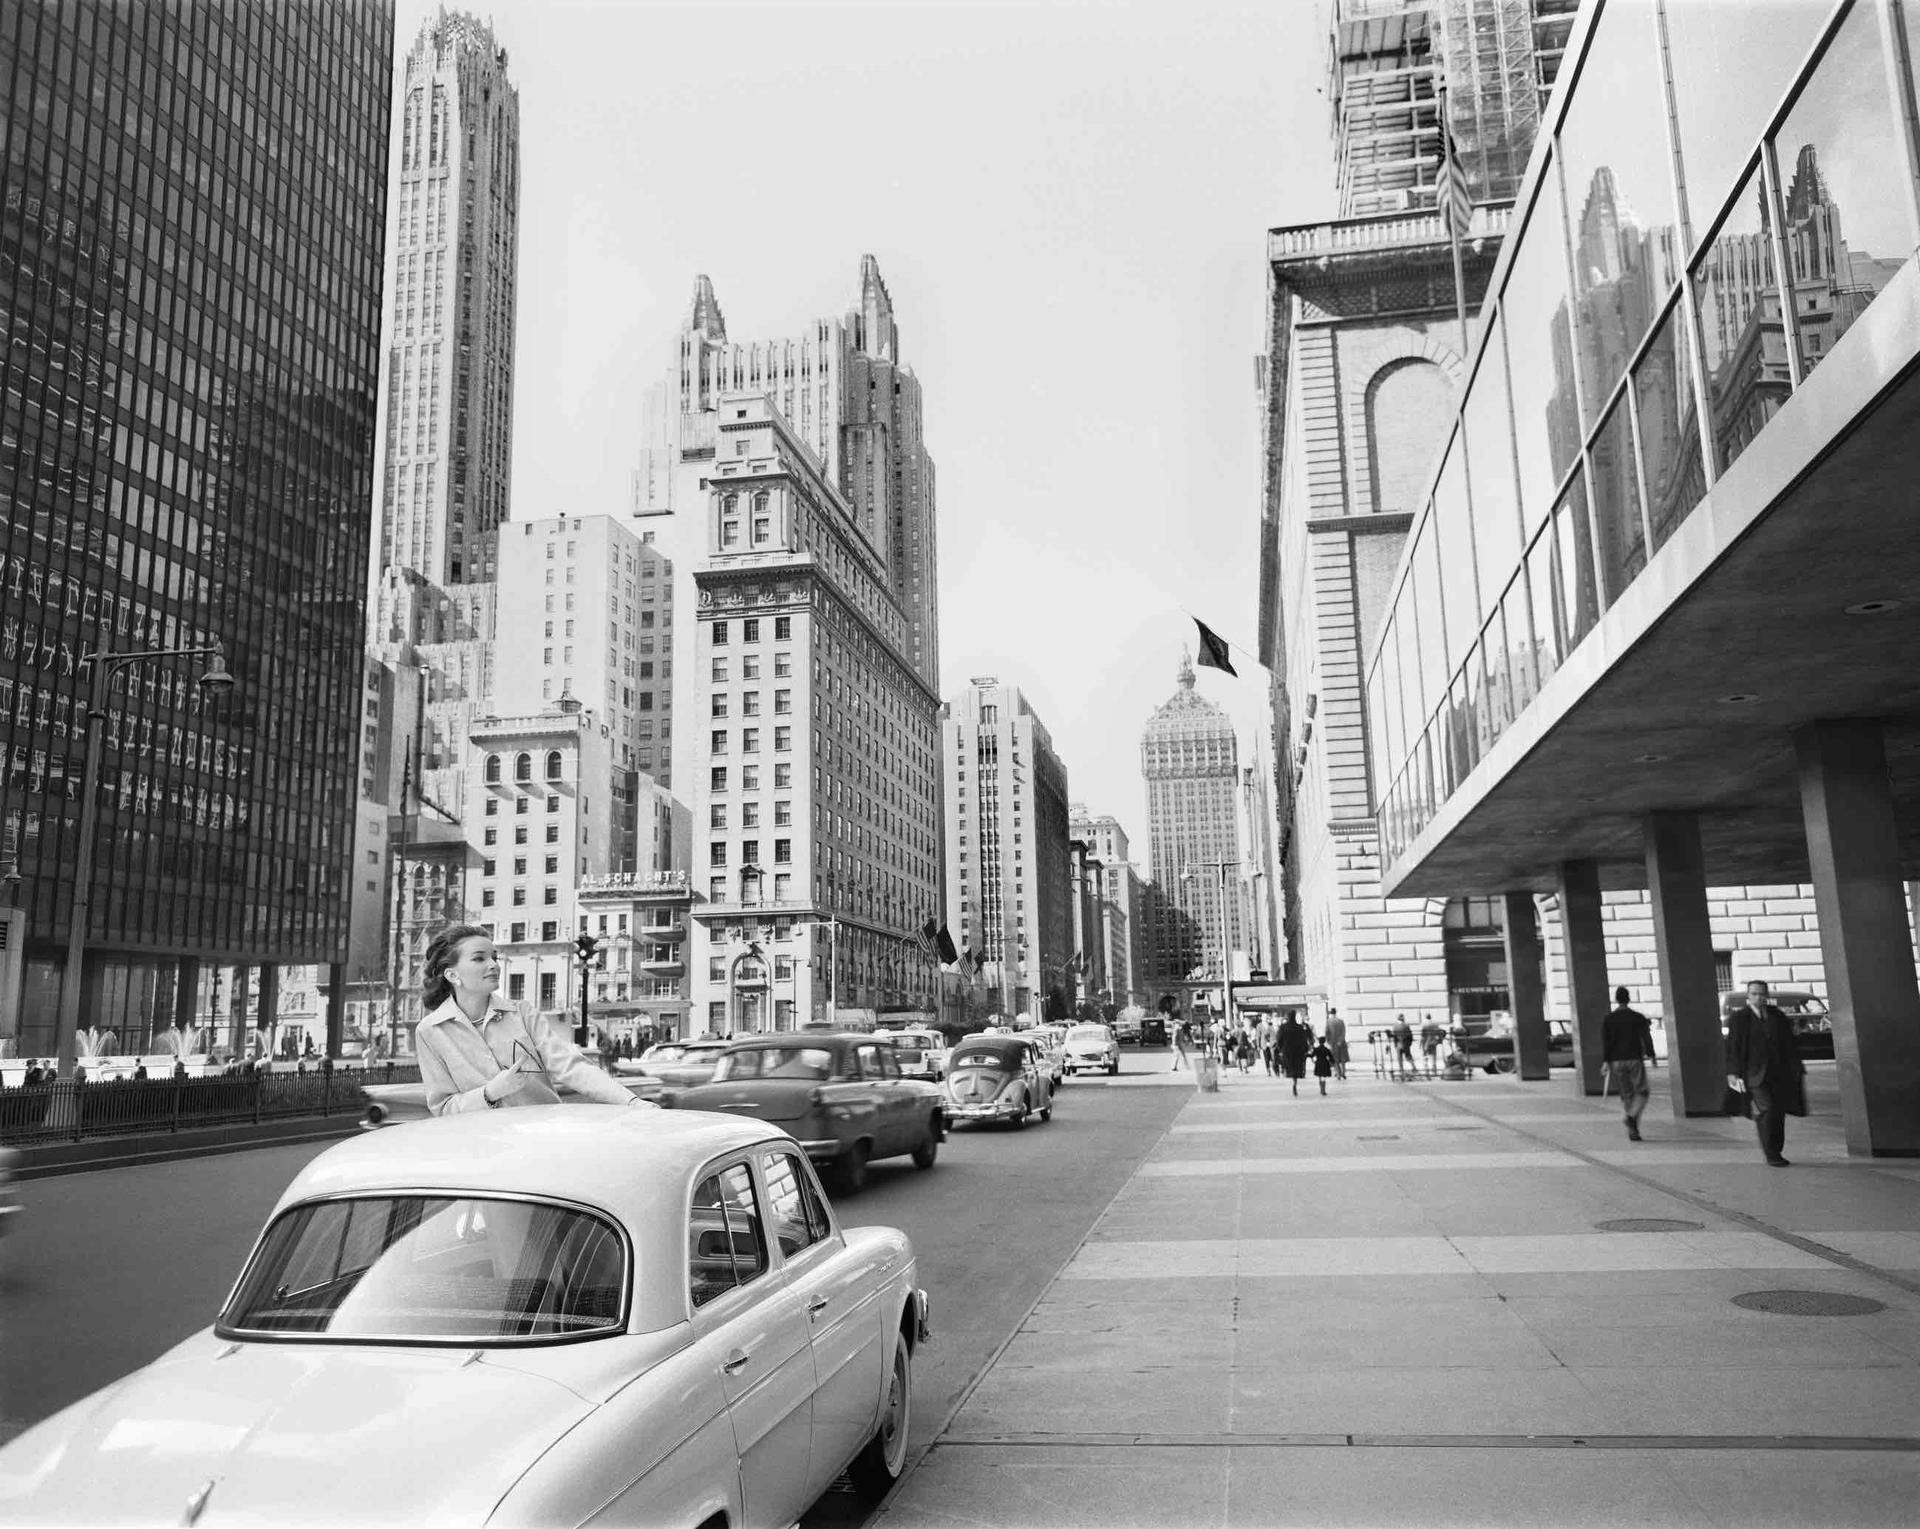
(922, 1317)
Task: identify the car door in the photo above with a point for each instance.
(746, 1315)
(880, 1076)
(841, 1295)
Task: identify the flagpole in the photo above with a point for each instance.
(1449, 210)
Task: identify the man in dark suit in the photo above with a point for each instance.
(1763, 1057)
(1626, 1046)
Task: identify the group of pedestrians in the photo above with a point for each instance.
(1287, 1048)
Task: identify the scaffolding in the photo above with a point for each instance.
(1388, 62)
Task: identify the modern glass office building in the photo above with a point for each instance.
(1656, 613)
(190, 282)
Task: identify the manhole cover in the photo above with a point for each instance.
(1650, 1224)
(1808, 1303)
(1376, 1138)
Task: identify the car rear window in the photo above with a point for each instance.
(811, 1063)
(1088, 1033)
(433, 1269)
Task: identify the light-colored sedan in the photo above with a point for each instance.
(1092, 1048)
(920, 1053)
(683, 1064)
(539, 1316)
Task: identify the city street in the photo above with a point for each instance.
(114, 1266)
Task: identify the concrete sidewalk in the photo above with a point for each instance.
(1459, 1303)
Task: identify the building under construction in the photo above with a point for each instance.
(1389, 61)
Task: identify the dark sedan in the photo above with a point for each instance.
(1812, 1024)
(1493, 1049)
(842, 1097)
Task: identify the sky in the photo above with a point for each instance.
(1069, 203)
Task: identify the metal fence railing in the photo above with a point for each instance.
(69, 1110)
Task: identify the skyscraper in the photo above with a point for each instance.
(1009, 891)
(1191, 761)
(190, 281)
(842, 388)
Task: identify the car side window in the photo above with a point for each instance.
(725, 1241)
(889, 1063)
(799, 1219)
(868, 1060)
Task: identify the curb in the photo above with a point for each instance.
(131, 1151)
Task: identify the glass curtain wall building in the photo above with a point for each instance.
(190, 284)
(1718, 203)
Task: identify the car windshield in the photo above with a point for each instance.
(665, 1053)
(1003, 1053)
(811, 1063)
(432, 1269)
(911, 1040)
(1095, 1033)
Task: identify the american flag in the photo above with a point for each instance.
(1456, 205)
(929, 932)
(967, 964)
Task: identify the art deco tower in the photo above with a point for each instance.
(1191, 761)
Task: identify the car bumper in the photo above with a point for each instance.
(1000, 1109)
(1095, 1063)
(922, 1318)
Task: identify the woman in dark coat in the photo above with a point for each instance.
(1295, 1041)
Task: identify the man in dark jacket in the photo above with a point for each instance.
(1763, 1057)
(1626, 1046)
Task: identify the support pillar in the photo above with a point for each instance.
(1853, 850)
(336, 1009)
(1586, 936)
(1683, 936)
(269, 1020)
(1526, 984)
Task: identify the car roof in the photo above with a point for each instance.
(635, 1164)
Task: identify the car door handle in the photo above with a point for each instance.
(817, 1305)
(735, 1362)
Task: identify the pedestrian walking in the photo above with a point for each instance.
(1402, 1046)
(1431, 1035)
(1337, 1042)
(1322, 1058)
(1179, 1046)
(477, 1051)
(1626, 1046)
(1763, 1060)
(1295, 1041)
(1269, 1035)
(1243, 1049)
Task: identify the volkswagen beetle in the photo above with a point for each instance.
(996, 1077)
(543, 1316)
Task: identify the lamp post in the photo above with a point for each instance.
(105, 663)
(1221, 868)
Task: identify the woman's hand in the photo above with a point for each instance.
(503, 1085)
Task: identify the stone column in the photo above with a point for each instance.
(1853, 849)
(336, 1009)
(1585, 934)
(1676, 873)
(1526, 984)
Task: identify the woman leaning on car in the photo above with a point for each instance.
(478, 1051)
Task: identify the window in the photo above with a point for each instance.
(519, 897)
(717, 815)
(520, 865)
(716, 969)
(750, 704)
(783, 852)
(782, 968)
(553, 865)
(783, 888)
(782, 663)
(782, 702)
(798, 1217)
(782, 628)
(750, 629)
(719, 671)
(749, 814)
(523, 769)
(750, 740)
(490, 836)
(553, 764)
(717, 742)
(517, 934)
(719, 706)
(493, 770)
(750, 666)
(486, 867)
(782, 738)
(553, 833)
(717, 853)
(719, 634)
(492, 808)
(749, 777)
(749, 851)
(549, 931)
(782, 813)
(519, 833)
(717, 779)
(782, 777)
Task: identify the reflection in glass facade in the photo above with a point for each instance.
(190, 258)
(1632, 389)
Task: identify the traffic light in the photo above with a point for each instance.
(588, 946)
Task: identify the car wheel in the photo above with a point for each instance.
(928, 1150)
(1113, 1069)
(1502, 1064)
(1046, 1111)
(878, 1466)
(853, 1168)
(1020, 1120)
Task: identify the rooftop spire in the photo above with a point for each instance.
(707, 318)
(873, 319)
(1186, 668)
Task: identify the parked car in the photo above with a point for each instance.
(842, 1097)
(996, 1078)
(1153, 1030)
(1092, 1047)
(1492, 1050)
(1128, 1031)
(683, 1064)
(920, 1053)
(544, 1316)
(1812, 1021)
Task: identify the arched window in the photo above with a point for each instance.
(493, 770)
(1409, 412)
(523, 768)
(553, 764)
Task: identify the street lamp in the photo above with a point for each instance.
(1226, 956)
(105, 663)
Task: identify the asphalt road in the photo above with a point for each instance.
(112, 1267)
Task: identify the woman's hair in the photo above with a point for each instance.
(442, 952)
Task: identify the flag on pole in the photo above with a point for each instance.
(944, 940)
(1213, 649)
(925, 940)
(968, 964)
(1456, 204)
